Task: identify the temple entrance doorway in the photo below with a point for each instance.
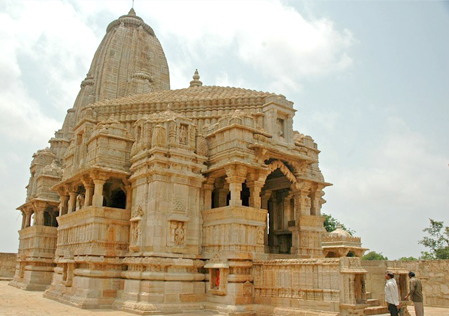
(277, 199)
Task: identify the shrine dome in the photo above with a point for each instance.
(340, 232)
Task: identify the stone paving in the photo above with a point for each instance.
(15, 302)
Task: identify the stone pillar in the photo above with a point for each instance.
(129, 196)
(289, 128)
(89, 192)
(305, 202)
(318, 201)
(264, 199)
(63, 204)
(98, 193)
(222, 195)
(72, 202)
(39, 208)
(27, 218)
(255, 187)
(23, 219)
(208, 187)
(236, 175)
(296, 216)
(287, 211)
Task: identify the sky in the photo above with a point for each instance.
(369, 81)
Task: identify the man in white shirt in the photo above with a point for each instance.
(391, 294)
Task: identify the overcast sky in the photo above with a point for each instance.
(369, 81)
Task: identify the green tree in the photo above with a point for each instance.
(372, 255)
(407, 259)
(330, 224)
(437, 241)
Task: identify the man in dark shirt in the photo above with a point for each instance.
(415, 294)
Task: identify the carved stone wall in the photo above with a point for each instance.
(432, 273)
(334, 285)
(233, 230)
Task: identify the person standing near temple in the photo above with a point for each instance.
(415, 294)
(391, 294)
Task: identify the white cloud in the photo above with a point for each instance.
(400, 187)
(270, 38)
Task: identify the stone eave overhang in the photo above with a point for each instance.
(288, 105)
(56, 139)
(50, 176)
(222, 166)
(82, 121)
(308, 148)
(117, 137)
(323, 183)
(328, 247)
(30, 203)
(91, 170)
(231, 126)
(282, 154)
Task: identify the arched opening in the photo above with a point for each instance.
(114, 194)
(50, 217)
(331, 254)
(47, 218)
(277, 199)
(350, 254)
(118, 199)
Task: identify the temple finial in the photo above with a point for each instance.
(132, 12)
(196, 80)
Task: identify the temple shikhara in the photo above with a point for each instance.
(155, 201)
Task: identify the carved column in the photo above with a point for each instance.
(129, 196)
(208, 187)
(72, 202)
(98, 193)
(39, 208)
(264, 199)
(89, 192)
(27, 217)
(289, 129)
(305, 201)
(23, 219)
(318, 200)
(63, 204)
(236, 175)
(287, 211)
(296, 216)
(255, 187)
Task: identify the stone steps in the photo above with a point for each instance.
(373, 302)
(376, 310)
(374, 306)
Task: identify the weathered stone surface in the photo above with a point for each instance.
(432, 274)
(154, 200)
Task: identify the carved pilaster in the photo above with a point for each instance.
(236, 175)
(39, 208)
(72, 202)
(208, 187)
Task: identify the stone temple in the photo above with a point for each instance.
(155, 201)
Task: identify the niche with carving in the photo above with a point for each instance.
(218, 274)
